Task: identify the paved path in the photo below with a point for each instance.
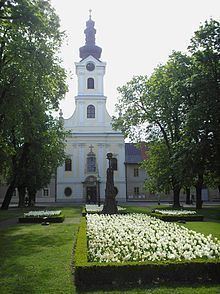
(8, 223)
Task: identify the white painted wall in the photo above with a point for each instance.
(96, 131)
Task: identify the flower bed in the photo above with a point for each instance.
(94, 208)
(138, 237)
(175, 212)
(124, 240)
(177, 215)
(42, 213)
(54, 216)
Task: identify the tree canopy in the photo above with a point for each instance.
(176, 110)
(32, 82)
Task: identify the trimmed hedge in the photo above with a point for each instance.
(98, 275)
(176, 218)
(51, 219)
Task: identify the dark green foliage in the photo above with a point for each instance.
(31, 84)
(177, 112)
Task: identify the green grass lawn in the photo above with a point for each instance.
(12, 212)
(37, 259)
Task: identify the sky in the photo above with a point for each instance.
(135, 37)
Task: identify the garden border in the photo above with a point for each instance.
(29, 219)
(176, 218)
(98, 275)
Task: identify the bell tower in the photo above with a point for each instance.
(91, 135)
(90, 71)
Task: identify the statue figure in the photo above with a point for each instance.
(110, 206)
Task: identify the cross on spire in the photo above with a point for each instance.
(90, 13)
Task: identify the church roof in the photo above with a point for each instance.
(134, 154)
(90, 47)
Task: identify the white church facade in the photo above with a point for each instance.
(83, 175)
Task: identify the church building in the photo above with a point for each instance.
(83, 175)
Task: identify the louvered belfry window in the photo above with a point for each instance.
(90, 83)
(91, 111)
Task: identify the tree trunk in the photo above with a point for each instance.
(176, 193)
(199, 186)
(187, 195)
(21, 192)
(176, 197)
(32, 197)
(8, 195)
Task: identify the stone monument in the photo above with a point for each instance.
(110, 205)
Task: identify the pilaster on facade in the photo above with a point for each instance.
(81, 113)
(81, 160)
(101, 159)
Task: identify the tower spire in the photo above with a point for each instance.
(90, 47)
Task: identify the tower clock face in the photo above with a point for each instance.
(90, 66)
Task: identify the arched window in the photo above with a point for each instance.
(91, 111)
(91, 163)
(68, 164)
(90, 83)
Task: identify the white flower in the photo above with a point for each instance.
(138, 237)
(175, 212)
(95, 208)
(42, 213)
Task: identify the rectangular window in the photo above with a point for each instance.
(68, 164)
(46, 192)
(136, 191)
(136, 172)
(14, 194)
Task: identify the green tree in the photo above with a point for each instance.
(154, 109)
(203, 120)
(31, 84)
(179, 107)
(45, 154)
(158, 168)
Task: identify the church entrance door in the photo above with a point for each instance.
(91, 194)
